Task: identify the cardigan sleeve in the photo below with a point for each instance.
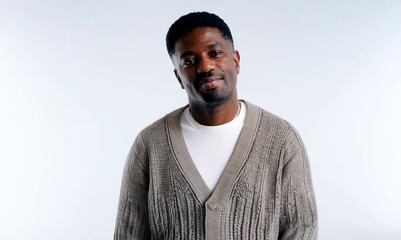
(132, 215)
(298, 218)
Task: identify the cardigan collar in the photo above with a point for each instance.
(233, 167)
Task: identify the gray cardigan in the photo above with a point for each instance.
(265, 191)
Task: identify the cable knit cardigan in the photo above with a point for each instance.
(265, 191)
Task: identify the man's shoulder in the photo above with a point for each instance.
(160, 125)
(268, 119)
(267, 116)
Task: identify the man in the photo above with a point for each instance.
(219, 168)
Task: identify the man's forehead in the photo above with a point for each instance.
(206, 36)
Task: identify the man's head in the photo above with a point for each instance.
(206, 65)
(189, 22)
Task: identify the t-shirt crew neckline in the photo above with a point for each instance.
(238, 120)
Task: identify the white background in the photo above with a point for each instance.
(80, 79)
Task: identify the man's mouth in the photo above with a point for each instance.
(210, 82)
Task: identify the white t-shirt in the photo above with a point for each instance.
(210, 147)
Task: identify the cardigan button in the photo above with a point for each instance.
(211, 206)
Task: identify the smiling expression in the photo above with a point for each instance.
(206, 67)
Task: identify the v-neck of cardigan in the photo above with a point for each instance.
(233, 167)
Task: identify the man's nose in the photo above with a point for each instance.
(205, 65)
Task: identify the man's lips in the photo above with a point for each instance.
(209, 79)
(210, 82)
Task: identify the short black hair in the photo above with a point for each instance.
(189, 22)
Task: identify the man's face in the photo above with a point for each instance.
(206, 66)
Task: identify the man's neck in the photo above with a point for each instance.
(218, 115)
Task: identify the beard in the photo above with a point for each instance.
(216, 99)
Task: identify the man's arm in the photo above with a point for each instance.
(132, 216)
(298, 206)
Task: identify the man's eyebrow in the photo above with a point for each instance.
(184, 54)
(213, 45)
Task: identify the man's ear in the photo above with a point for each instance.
(236, 59)
(178, 78)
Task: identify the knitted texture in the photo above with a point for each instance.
(265, 191)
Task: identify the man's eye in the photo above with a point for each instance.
(188, 62)
(216, 53)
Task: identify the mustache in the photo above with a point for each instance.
(200, 78)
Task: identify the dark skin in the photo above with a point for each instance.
(207, 68)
